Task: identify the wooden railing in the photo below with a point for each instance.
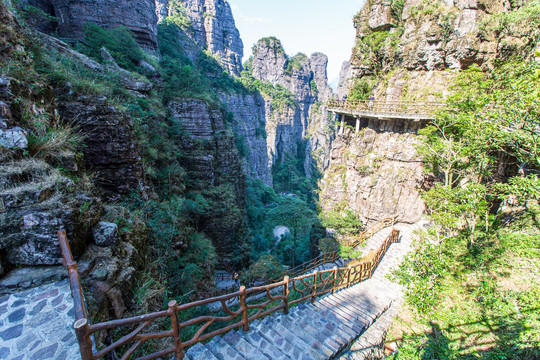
(425, 108)
(181, 335)
(372, 230)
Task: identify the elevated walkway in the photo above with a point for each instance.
(386, 110)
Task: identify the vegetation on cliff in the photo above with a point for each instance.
(473, 280)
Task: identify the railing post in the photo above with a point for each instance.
(286, 294)
(173, 313)
(313, 297)
(243, 306)
(82, 332)
(335, 277)
(349, 276)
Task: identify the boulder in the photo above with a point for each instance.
(105, 234)
(14, 138)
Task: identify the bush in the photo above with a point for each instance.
(120, 42)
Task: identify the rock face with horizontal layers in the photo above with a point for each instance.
(249, 125)
(215, 29)
(212, 162)
(413, 53)
(138, 16)
(36, 204)
(110, 146)
(287, 125)
(377, 172)
(426, 42)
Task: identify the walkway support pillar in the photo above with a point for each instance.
(342, 124)
(357, 125)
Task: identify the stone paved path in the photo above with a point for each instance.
(37, 324)
(371, 341)
(333, 324)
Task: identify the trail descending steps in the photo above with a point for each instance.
(333, 324)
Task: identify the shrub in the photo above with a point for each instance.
(120, 42)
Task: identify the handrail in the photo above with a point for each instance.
(294, 290)
(334, 256)
(375, 228)
(79, 306)
(425, 108)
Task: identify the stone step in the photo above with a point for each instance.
(255, 338)
(307, 350)
(284, 343)
(243, 347)
(306, 336)
(348, 325)
(222, 350)
(200, 352)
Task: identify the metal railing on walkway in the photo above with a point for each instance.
(397, 108)
(183, 334)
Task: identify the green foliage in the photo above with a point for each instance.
(266, 210)
(342, 219)
(295, 63)
(523, 23)
(314, 90)
(267, 267)
(282, 98)
(120, 42)
(361, 89)
(466, 279)
(397, 9)
(177, 15)
(272, 42)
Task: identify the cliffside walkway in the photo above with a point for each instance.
(349, 324)
(349, 312)
(384, 110)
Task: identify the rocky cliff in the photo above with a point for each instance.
(425, 38)
(289, 123)
(44, 175)
(411, 50)
(213, 164)
(377, 172)
(68, 18)
(214, 29)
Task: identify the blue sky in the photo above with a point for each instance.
(306, 26)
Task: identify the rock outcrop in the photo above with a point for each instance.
(249, 126)
(425, 39)
(213, 164)
(410, 53)
(377, 172)
(110, 146)
(215, 30)
(288, 122)
(72, 16)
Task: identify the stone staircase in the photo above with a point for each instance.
(345, 325)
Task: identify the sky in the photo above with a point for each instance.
(305, 26)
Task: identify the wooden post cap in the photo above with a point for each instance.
(80, 323)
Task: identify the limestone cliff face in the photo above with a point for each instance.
(138, 16)
(430, 40)
(249, 124)
(376, 172)
(213, 164)
(215, 29)
(412, 52)
(289, 124)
